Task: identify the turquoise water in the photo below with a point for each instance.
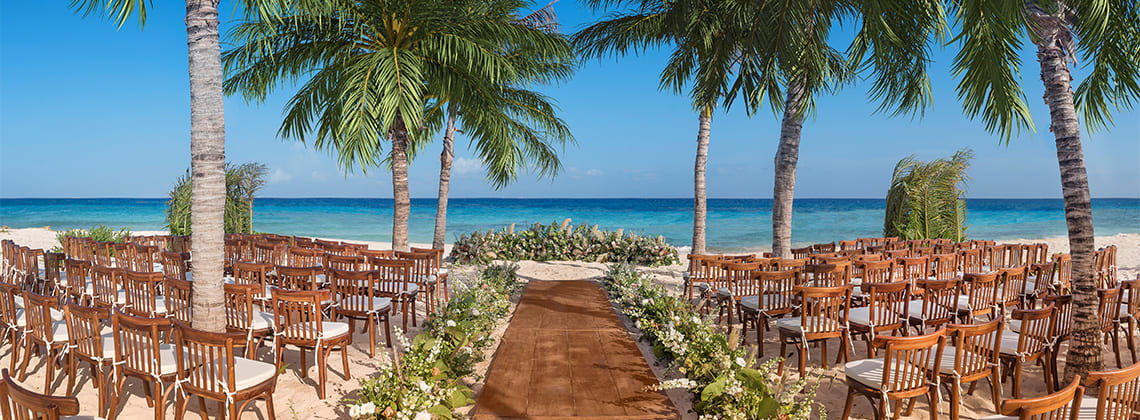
(732, 224)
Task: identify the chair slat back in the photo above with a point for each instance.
(174, 265)
(238, 299)
(422, 265)
(105, 285)
(888, 304)
(178, 298)
(827, 275)
(251, 273)
(297, 315)
(1036, 333)
(801, 253)
(391, 276)
(784, 264)
(347, 262)
(914, 268)
(104, 254)
(78, 273)
(1060, 405)
(8, 308)
(1064, 267)
(19, 403)
(742, 279)
(976, 347)
(304, 257)
(971, 260)
(298, 278)
(1012, 284)
(206, 360)
(906, 362)
(142, 292)
(37, 312)
(84, 330)
(137, 343)
(996, 256)
(353, 291)
(944, 266)
(778, 290)
(981, 291)
(876, 271)
(1119, 392)
(823, 310)
(1043, 277)
(1109, 310)
(939, 301)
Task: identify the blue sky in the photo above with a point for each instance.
(88, 111)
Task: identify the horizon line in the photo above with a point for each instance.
(555, 198)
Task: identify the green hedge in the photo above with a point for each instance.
(563, 242)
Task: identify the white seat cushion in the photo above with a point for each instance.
(996, 417)
(701, 285)
(262, 320)
(1009, 342)
(166, 356)
(861, 316)
(723, 292)
(412, 287)
(81, 418)
(868, 372)
(1015, 325)
(751, 302)
(790, 324)
(248, 373)
(334, 329)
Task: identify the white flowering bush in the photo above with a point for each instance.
(716, 368)
(426, 381)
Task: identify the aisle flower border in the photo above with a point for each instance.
(716, 368)
(426, 380)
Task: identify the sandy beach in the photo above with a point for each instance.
(296, 396)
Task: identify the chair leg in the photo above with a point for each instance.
(995, 391)
(1116, 346)
(322, 364)
(1016, 379)
(269, 406)
(802, 348)
(932, 398)
(180, 406)
(1131, 341)
(344, 360)
(955, 398)
(70, 370)
(27, 357)
(783, 355)
(305, 365)
(159, 401)
(371, 336)
(849, 403)
(388, 329)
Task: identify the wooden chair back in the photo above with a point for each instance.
(297, 315)
(391, 276)
(971, 260)
(944, 266)
(137, 343)
(142, 293)
(823, 310)
(876, 271)
(178, 296)
(848, 245)
(104, 253)
(105, 283)
(976, 348)
(338, 249)
(298, 278)
(305, 257)
(1062, 315)
(37, 314)
(84, 330)
(78, 273)
(981, 292)
(353, 292)
(346, 262)
(914, 268)
(179, 243)
(205, 360)
(827, 275)
(939, 301)
(1043, 277)
(896, 253)
(422, 266)
(996, 257)
(888, 304)
(783, 264)
(742, 280)
(9, 317)
(801, 253)
(1064, 271)
(19, 403)
(251, 273)
(1061, 405)
(1035, 337)
(386, 254)
(1109, 310)
(1118, 392)
(174, 265)
(1012, 285)
(238, 299)
(268, 253)
(907, 363)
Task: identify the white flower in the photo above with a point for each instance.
(475, 312)
(740, 361)
(354, 411)
(696, 320)
(644, 302)
(450, 323)
(423, 387)
(367, 408)
(423, 415)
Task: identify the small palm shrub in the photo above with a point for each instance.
(927, 200)
(725, 381)
(242, 182)
(100, 233)
(563, 242)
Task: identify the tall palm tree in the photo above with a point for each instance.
(207, 140)
(508, 125)
(754, 50)
(372, 68)
(1105, 34)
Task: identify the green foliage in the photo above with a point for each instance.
(719, 372)
(242, 182)
(927, 200)
(100, 233)
(563, 242)
(427, 378)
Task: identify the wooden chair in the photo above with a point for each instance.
(253, 273)
(1013, 282)
(1063, 278)
(241, 317)
(1118, 394)
(140, 354)
(1062, 328)
(423, 275)
(971, 261)
(1039, 281)
(300, 322)
(972, 356)
(142, 294)
(12, 320)
(298, 278)
(338, 249)
(174, 265)
(20, 403)
(906, 371)
(1129, 311)
(979, 297)
(437, 267)
(939, 304)
(355, 296)
(104, 253)
(144, 258)
(784, 264)
(944, 266)
(886, 311)
(179, 243)
(304, 257)
(208, 368)
(384, 254)
(774, 301)
(177, 296)
(801, 253)
(894, 254)
(76, 281)
(823, 316)
(88, 344)
(268, 253)
(1060, 405)
(739, 283)
(1108, 315)
(827, 275)
(392, 282)
(1032, 343)
(848, 245)
(996, 257)
(346, 262)
(45, 329)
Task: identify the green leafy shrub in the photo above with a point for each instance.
(927, 200)
(717, 369)
(100, 233)
(427, 380)
(563, 242)
(242, 182)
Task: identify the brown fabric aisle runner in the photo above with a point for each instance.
(565, 355)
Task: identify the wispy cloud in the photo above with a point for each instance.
(594, 172)
(465, 166)
(280, 176)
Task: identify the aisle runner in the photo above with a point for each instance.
(566, 355)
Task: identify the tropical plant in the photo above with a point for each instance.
(727, 49)
(100, 233)
(372, 68)
(927, 200)
(426, 381)
(507, 124)
(723, 377)
(207, 137)
(1105, 35)
(242, 182)
(562, 242)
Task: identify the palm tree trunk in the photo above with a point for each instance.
(787, 157)
(207, 162)
(444, 181)
(700, 208)
(403, 203)
(1084, 350)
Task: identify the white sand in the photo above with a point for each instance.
(297, 395)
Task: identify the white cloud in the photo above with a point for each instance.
(594, 172)
(318, 176)
(465, 166)
(279, 176)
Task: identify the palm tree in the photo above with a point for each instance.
(508, 124)
(1106, 37)
(207, 140)
(928, 199)
(372, 67)
(755, 50)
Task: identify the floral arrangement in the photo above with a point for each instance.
(426, 381)
(716, 368)
(563, 242)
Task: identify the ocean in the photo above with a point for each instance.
(733, 224)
